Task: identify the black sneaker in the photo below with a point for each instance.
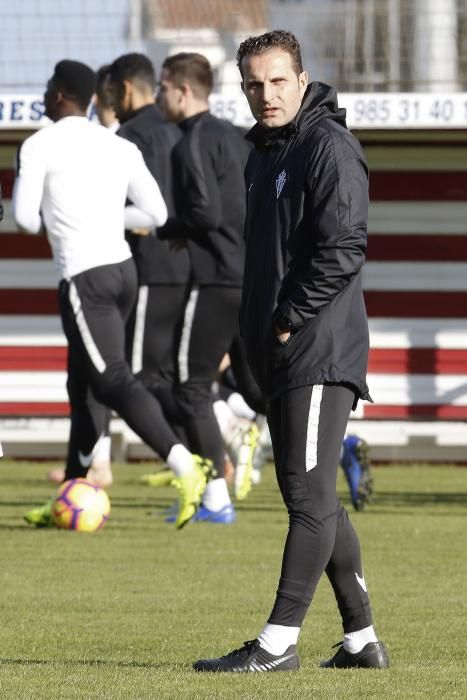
(249, 659)
(373, 655)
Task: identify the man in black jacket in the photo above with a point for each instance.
(209, 195)
(304, 323)
(162, 275)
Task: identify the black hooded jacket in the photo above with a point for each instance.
(155, 137)
(307, 209)
(209, 195)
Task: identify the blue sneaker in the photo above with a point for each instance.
(356, 465)
(224, 516)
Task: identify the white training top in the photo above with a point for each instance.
(76, 175)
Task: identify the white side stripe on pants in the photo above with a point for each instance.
(91, 347)
(183, 372)
(138, 335)
(311, 451)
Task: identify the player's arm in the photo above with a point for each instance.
(148, 209)
(196, 189)
(335, 212)
(29, 186)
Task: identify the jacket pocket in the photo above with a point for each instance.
(279, 352)
(289, 341)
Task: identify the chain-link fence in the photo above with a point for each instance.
(380, 45)
(356, 45)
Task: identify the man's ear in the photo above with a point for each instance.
(127, 88)
(185, 89)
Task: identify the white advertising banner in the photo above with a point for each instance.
(364, 110)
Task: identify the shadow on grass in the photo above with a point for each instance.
(91, 663)
(116, 503)
(394, 502)
(419, 498)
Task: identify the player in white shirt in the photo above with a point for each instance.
(100, 471)
(75, 177)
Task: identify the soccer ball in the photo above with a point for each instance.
(80, 505)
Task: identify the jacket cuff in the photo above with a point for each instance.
(285, 316)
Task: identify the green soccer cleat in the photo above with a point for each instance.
(244, 466)
(190, 488)
(163, 477)
(41, 516)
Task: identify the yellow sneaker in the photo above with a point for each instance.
(244, 468)
(41, 516)
(190, 488)
(163, 477)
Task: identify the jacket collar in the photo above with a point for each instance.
(187, 124)
(319, 101)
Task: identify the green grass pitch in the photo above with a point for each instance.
(123, 613)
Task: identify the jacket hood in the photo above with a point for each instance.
(319, 101)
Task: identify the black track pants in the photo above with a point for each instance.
(153, 330)
(307, 428)
(209, 325)
(95, 306)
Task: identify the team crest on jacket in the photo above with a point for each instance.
(280, 182)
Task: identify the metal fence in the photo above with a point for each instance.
(357, 45)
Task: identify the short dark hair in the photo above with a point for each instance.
(277, 39)
(103, 93)
(136, 67)
(192, 68)
(75, 80)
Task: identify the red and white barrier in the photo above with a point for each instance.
(415, 285)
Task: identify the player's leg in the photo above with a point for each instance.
(307, 426)
(360, 646)
(101, 300)
(153, 333)
(89, 425)
(89, 437)
(210, 322)
(252, 456)
(115, 385)
(355, 462)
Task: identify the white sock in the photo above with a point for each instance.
(101, 451)
(355, 641)
(276, 639)
(224, 416)
(239, 406)
(216, 495)
(180, 460)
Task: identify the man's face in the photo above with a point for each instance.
(170, 98)
(272, 87)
